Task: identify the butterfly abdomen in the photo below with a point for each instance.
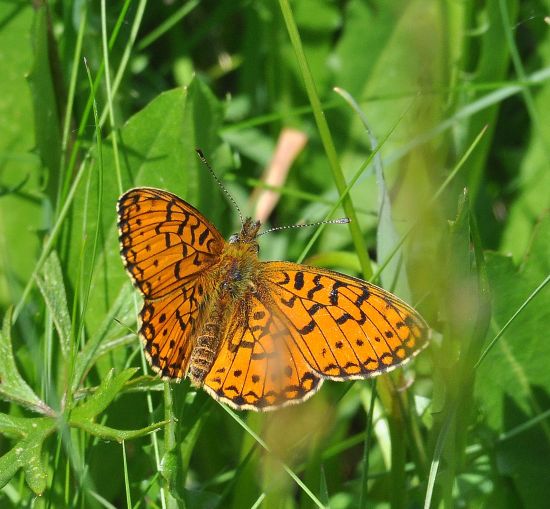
(204, 352)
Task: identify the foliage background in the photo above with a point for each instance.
(465, 425)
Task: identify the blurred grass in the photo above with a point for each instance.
(464, 234)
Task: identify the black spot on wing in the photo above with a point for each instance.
(298, 280)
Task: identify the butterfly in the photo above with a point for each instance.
(255, 335)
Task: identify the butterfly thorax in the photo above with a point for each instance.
(233, 278)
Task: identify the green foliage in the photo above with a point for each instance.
(29, 433)
(436, 144)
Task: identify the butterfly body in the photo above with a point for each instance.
(229, 281)
(255, 335)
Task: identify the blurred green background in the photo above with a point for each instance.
(441, 127)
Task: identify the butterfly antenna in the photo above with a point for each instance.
(341, 220)
(219, 182)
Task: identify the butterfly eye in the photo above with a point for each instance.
(234, 238)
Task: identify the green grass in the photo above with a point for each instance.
(436, 144)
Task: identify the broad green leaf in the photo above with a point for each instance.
(21, 217)
(359, 50)
(157, 148)
(393, 278)
(399, 56)
(516, 366)
(12, 386)
(314, 31)
(513, 381)
(251, 143)
(51, 284)
(523, 459)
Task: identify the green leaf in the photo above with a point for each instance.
(157, 149)
(82, 416)
(359, 50)
(171, 470)
(8, 467)
(518, 361)
(26, 453)
(123, 309)
(20, 217)
(12, 426)
(46, 95)
(12, 386)
(393, 278)
(105, 394)
(108, 433)
(533, 180)
(52, 287)
(364, 58)
(513, 381)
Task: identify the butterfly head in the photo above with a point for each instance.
(248, 233)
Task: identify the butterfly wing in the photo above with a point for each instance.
(164, 241)
(258, 366)
(345, 328)
(167, 247)
(166, 327)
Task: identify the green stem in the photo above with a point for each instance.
(326, 138)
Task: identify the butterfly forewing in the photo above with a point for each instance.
(164, 241)
(345, 327)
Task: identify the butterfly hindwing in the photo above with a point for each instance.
(167, 325)
(347, 328)
(259, 366)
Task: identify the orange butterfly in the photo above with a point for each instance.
(256, 335)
